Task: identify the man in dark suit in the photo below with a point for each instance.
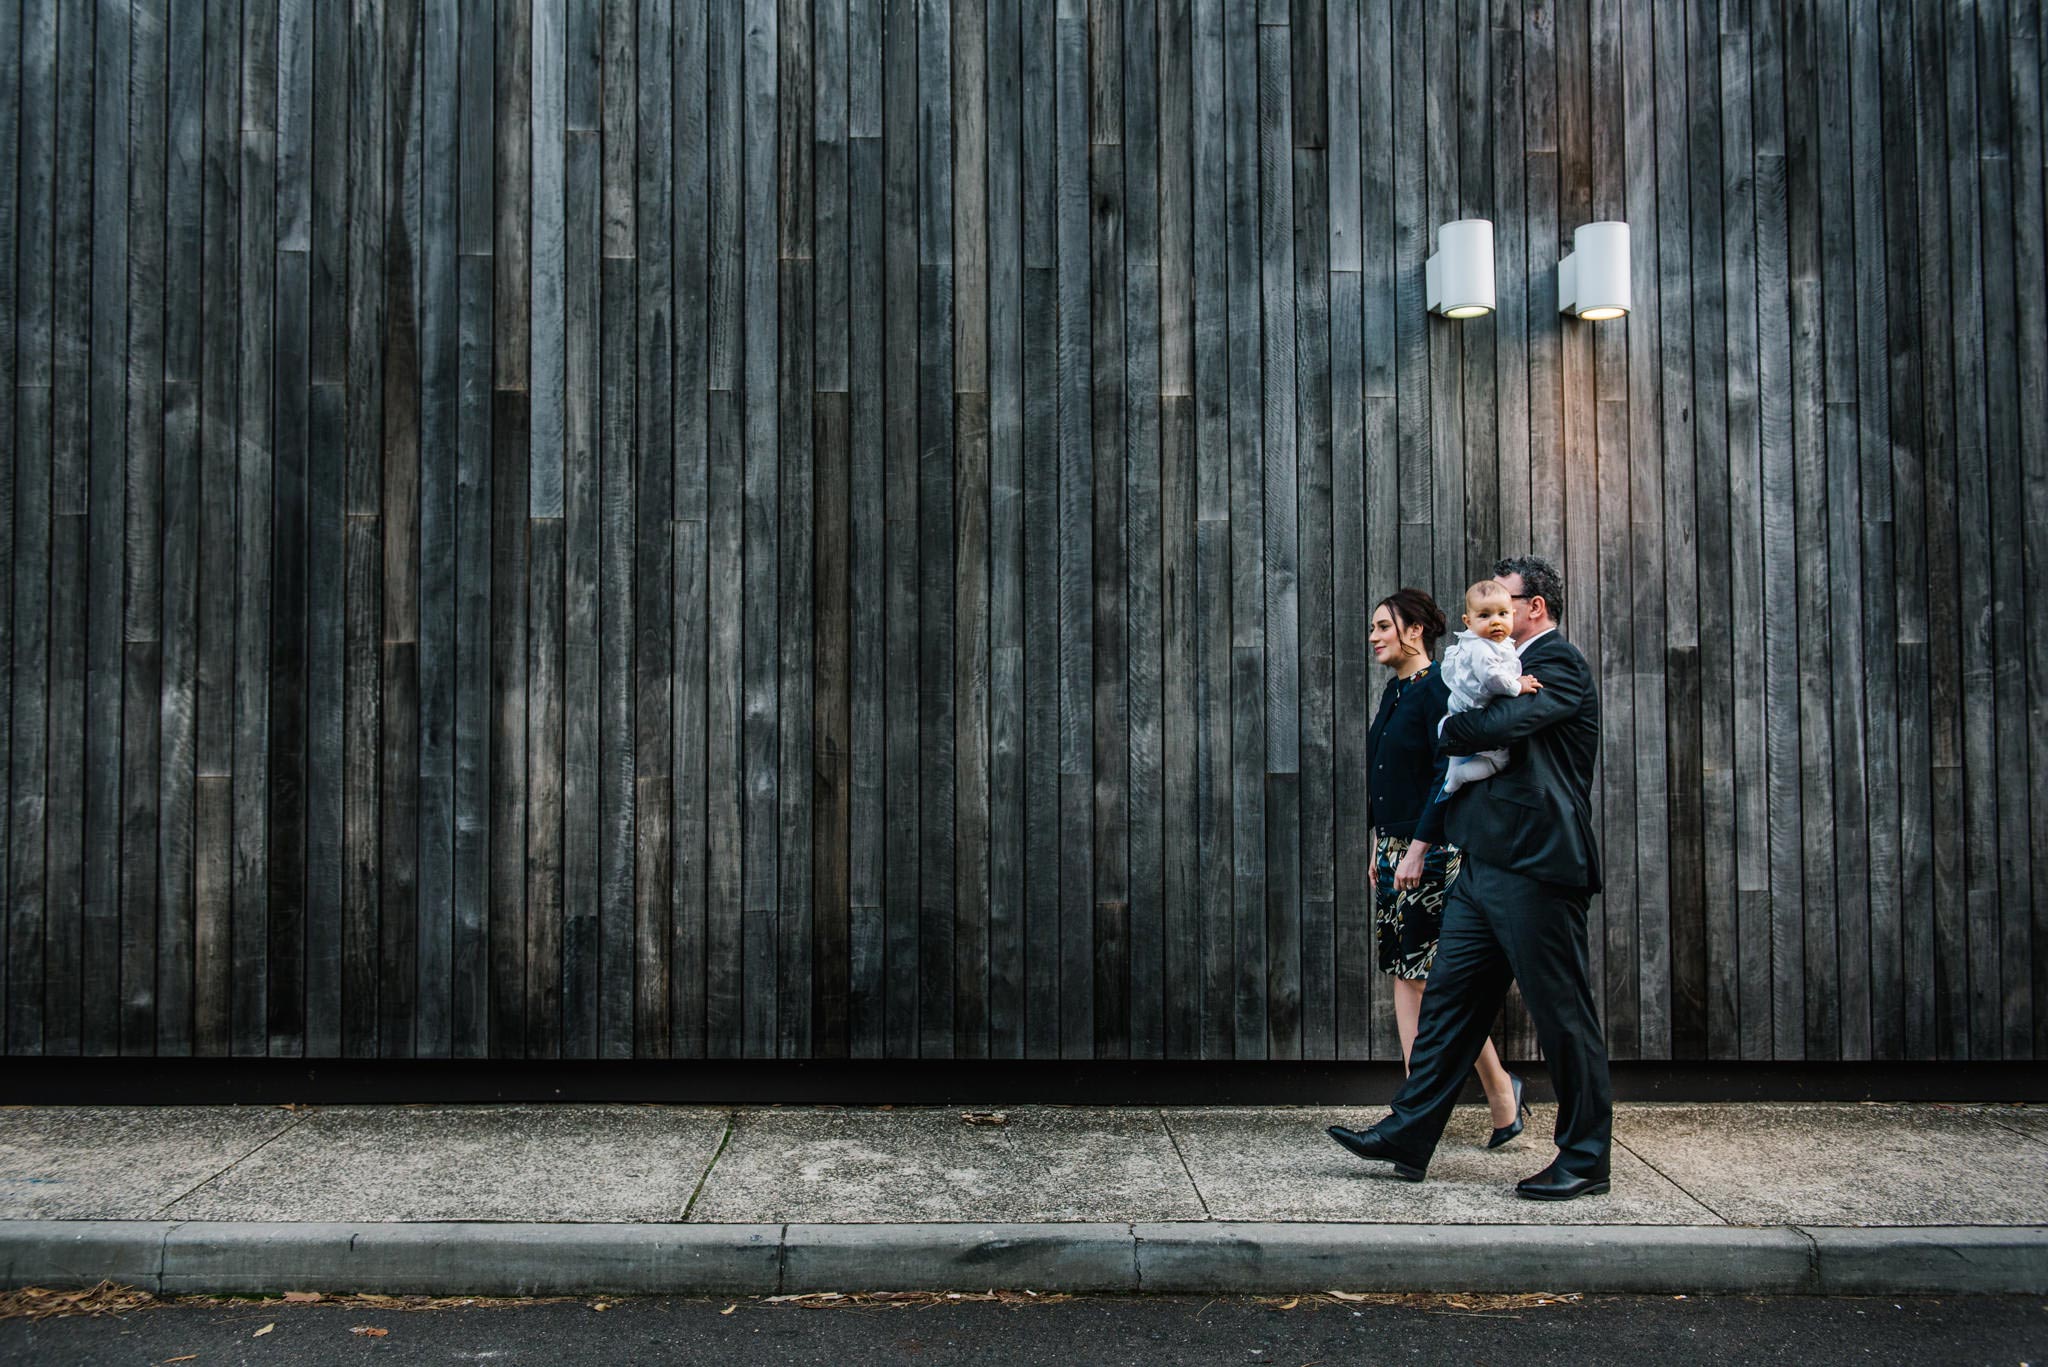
(1517, 910)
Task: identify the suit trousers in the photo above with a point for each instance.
(1502, 927)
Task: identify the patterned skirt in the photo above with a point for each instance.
(1408, 923)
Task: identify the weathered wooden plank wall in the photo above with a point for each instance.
(843, 528)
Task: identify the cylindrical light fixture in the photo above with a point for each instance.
(1592, 281)
(1458, 280)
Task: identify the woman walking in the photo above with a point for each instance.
(1412, 866)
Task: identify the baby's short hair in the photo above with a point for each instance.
(1487, 588)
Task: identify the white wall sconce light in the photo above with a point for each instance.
(1458, 281)
(1592, 280)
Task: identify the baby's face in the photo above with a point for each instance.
(1492, 616)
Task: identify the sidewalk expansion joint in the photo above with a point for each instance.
(1166, 1123)
(1676, 1185)
(724, 1138)
(296, 1121)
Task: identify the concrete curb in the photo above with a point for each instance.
(513, 1259)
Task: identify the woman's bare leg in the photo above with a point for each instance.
(1500, 1090)
(1407, 1011)
(1493, 1075)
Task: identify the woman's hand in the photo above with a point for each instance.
(1408, 873)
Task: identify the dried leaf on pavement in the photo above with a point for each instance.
(41, 1302)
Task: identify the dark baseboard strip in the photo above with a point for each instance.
(156, 1082)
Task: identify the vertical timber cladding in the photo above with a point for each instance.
(844, 528)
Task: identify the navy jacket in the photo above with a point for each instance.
(1403, 767)
(1534, 817)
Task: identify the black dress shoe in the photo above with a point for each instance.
(1367, 1144)
(1555, 1184)
(1506, 1132)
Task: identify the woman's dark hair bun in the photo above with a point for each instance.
(1414, 608)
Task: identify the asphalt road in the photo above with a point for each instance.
(2003, 1330)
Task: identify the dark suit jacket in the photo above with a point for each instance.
(1534, 817)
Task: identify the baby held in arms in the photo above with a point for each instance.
(1482, 664)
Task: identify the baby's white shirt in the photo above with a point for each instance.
(1476, 669)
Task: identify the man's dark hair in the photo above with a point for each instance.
(1414, 608)
(1539, 580)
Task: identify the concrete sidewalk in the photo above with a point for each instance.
(514, 1200)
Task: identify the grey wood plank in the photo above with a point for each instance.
(509, 707)
(1314, 496)
(10, 238)
(397, 491)
(476, 159)
(1278, 436)
(1007, 869)
(831, 713)
(618, 629)
(971, 682)
(439, 371)
(1974, 680)
(69, 454)
(220, 289)
(1180, 738)
(722, 767)
(1105, 35)
(548, 206)
(327, 424)
(760, 724)
(107, 405)
(795, 171)
(586, 790)
(1351, 698)
(795, 615)
(1208, 247)
(1917, 224)
(619, 837)
(830, 205)
(470, 874)
(933, 389)
(621, 122)
(1042, 1004)
(1997, 217)
(141, 284)
(2030, 279)
(968, 182)
(689, 865)
(1076, 561)
(1248, 599)
(29, 727)
(864, 68)
(1718, 934)
(1940, 876)
(901, 683)
(512, 206)
(654, 585)
(362, 735)
(1109, 635)
(256, 353)
(1678, 908)
(866, 821)
(583, 56)
(690, 301)
(1753, 938)
(547, 963)
(1412, 240)
(1512, 329)
(1876, 244)
(1476, 197)
(1144, 549)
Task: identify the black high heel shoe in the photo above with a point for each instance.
(1507, 1132)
